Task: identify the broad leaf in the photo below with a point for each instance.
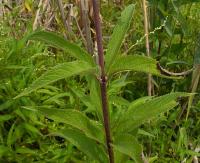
(118, 35)
(58, 72)
(136, 63)
(76, 119)
(128, 144)
(141, 112)
(86, 145)
(59, 42)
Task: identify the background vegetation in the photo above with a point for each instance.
(26, 135)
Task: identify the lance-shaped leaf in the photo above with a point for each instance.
(146, 110)
(74, 118)
(59, 42)
(58, 72)
(137, 63)
(118, 35)
(86, 145)
(128, 145)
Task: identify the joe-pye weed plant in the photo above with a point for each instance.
(110, 135)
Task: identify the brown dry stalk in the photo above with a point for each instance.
(146, 29)
(37, 16)
(86, 25)
(61, 9)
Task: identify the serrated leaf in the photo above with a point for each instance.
(137, 63)
(59, 42)
(76, 119)
(58, 72)
(118, 35)
(138, 114)
(128, 144)
(85, 144)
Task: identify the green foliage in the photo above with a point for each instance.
(59, 42)
(128, 144)
(118, 35)
(88, 146)
(50, 105)
(58, 72)
(135, 63)
(76, 119)
(146, 109)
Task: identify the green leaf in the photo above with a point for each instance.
(76, 119)
(59, 42)
(128, 144)
(58, 72)
(4, 150)
(138, 114)
(95, 96)
(6, 117)
(85, 144)
(6, 104)
(32, 129)
(136, 63)
(24, 150)
(180, 18)
(118, 35)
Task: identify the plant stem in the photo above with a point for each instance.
(103, 81)
(146, 28)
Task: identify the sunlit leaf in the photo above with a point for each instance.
(58, 72)
(59, 42)
(118, 35)
(138, 114)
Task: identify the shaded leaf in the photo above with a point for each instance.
(85, 144)
(128, 144)
(76, 119)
